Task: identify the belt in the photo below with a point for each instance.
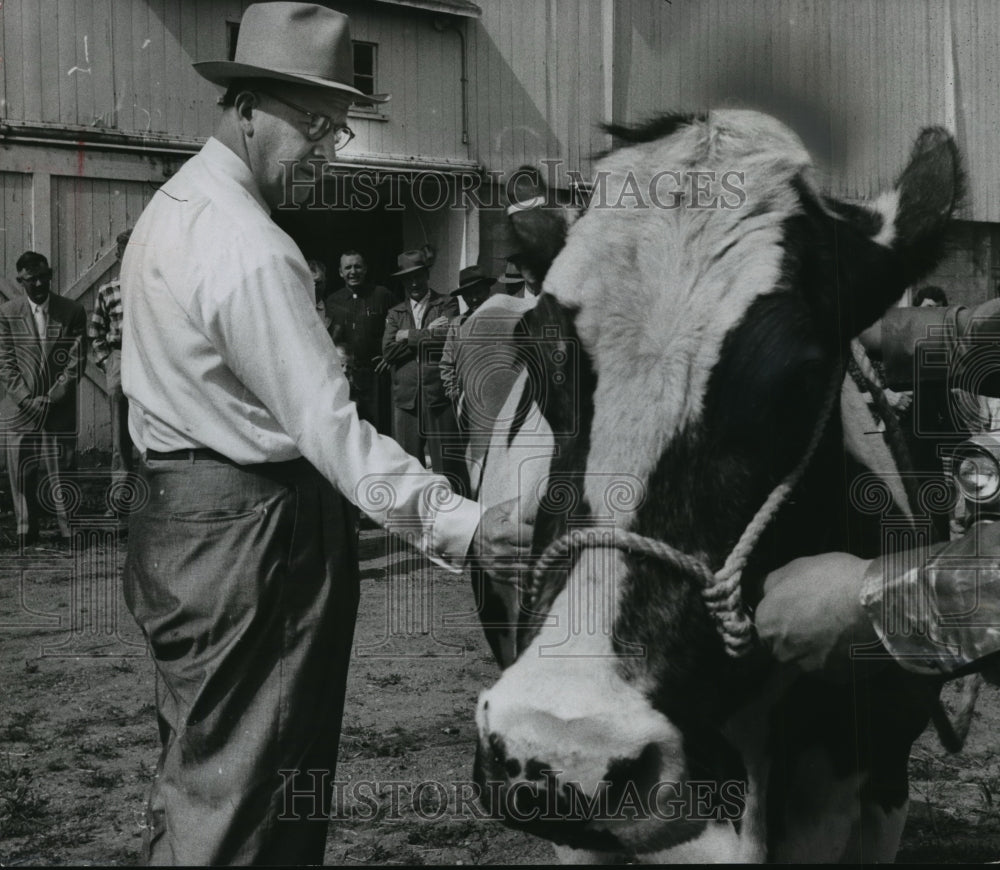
(195, 454)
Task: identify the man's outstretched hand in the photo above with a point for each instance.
(811, 613)
(502, 543)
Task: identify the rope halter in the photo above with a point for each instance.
(720, 590)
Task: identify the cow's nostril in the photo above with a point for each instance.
(498, 750)
(640, 772)
(536, 770)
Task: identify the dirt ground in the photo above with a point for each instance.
(78, 742)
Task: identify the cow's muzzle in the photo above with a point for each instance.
(601, 782)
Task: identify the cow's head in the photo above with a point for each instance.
(710, 290)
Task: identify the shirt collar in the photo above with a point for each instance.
(44, 307)
(225, 160)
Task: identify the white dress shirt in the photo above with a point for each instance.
(41, 315)
(419, 309)
(223, 348)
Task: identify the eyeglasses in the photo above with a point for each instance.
(31, 280)
(319, 125)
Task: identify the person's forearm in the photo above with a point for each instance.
(937, 609)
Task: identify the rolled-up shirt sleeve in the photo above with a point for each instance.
(937, 609)
(276, 345)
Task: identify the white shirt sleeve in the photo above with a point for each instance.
(276, 345)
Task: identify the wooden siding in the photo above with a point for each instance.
(118, 64)
(87, 214)
(537, 83)
(857, 79)
(125, 65)
(16, 218)
(422, 68)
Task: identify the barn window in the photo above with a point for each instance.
(365, 55)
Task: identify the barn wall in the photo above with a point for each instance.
(970, 273)
(857, 79)
(125, 66)
(538, 82)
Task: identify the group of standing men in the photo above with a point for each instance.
(438, 362)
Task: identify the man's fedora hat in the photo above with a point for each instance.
(469, 277)
(511, 273)
(410, 261)
(291, 42)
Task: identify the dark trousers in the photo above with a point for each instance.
(245, 583)
(122, 459)
(367, 389)
(34, 460)
(434, 429)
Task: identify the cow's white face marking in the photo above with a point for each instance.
(658, 289)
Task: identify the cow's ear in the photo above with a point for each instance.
(883, 247)
(537, 221)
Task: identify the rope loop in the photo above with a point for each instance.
(720, 590)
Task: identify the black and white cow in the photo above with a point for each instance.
(681, 356)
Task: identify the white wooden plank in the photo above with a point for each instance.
(31, 46)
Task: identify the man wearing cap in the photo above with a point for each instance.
(415, 330)
(242, 562)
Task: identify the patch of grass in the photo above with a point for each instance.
(147, 772)
(394, 744)
(144, 715)
(18, 727)
(436, 835)
(23, 808)
(388, 680)
(96, 747)
(102, 778)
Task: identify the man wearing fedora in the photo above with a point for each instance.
(473, 288)
(517, 280)
(242, 563)
(415, 331)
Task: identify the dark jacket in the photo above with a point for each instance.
(414, 363)
(357, 322)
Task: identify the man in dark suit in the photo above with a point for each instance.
(357, 313)
(42, 350)
(414, 337)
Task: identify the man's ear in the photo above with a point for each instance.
(245, 103)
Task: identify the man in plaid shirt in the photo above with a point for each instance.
(105, 333)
